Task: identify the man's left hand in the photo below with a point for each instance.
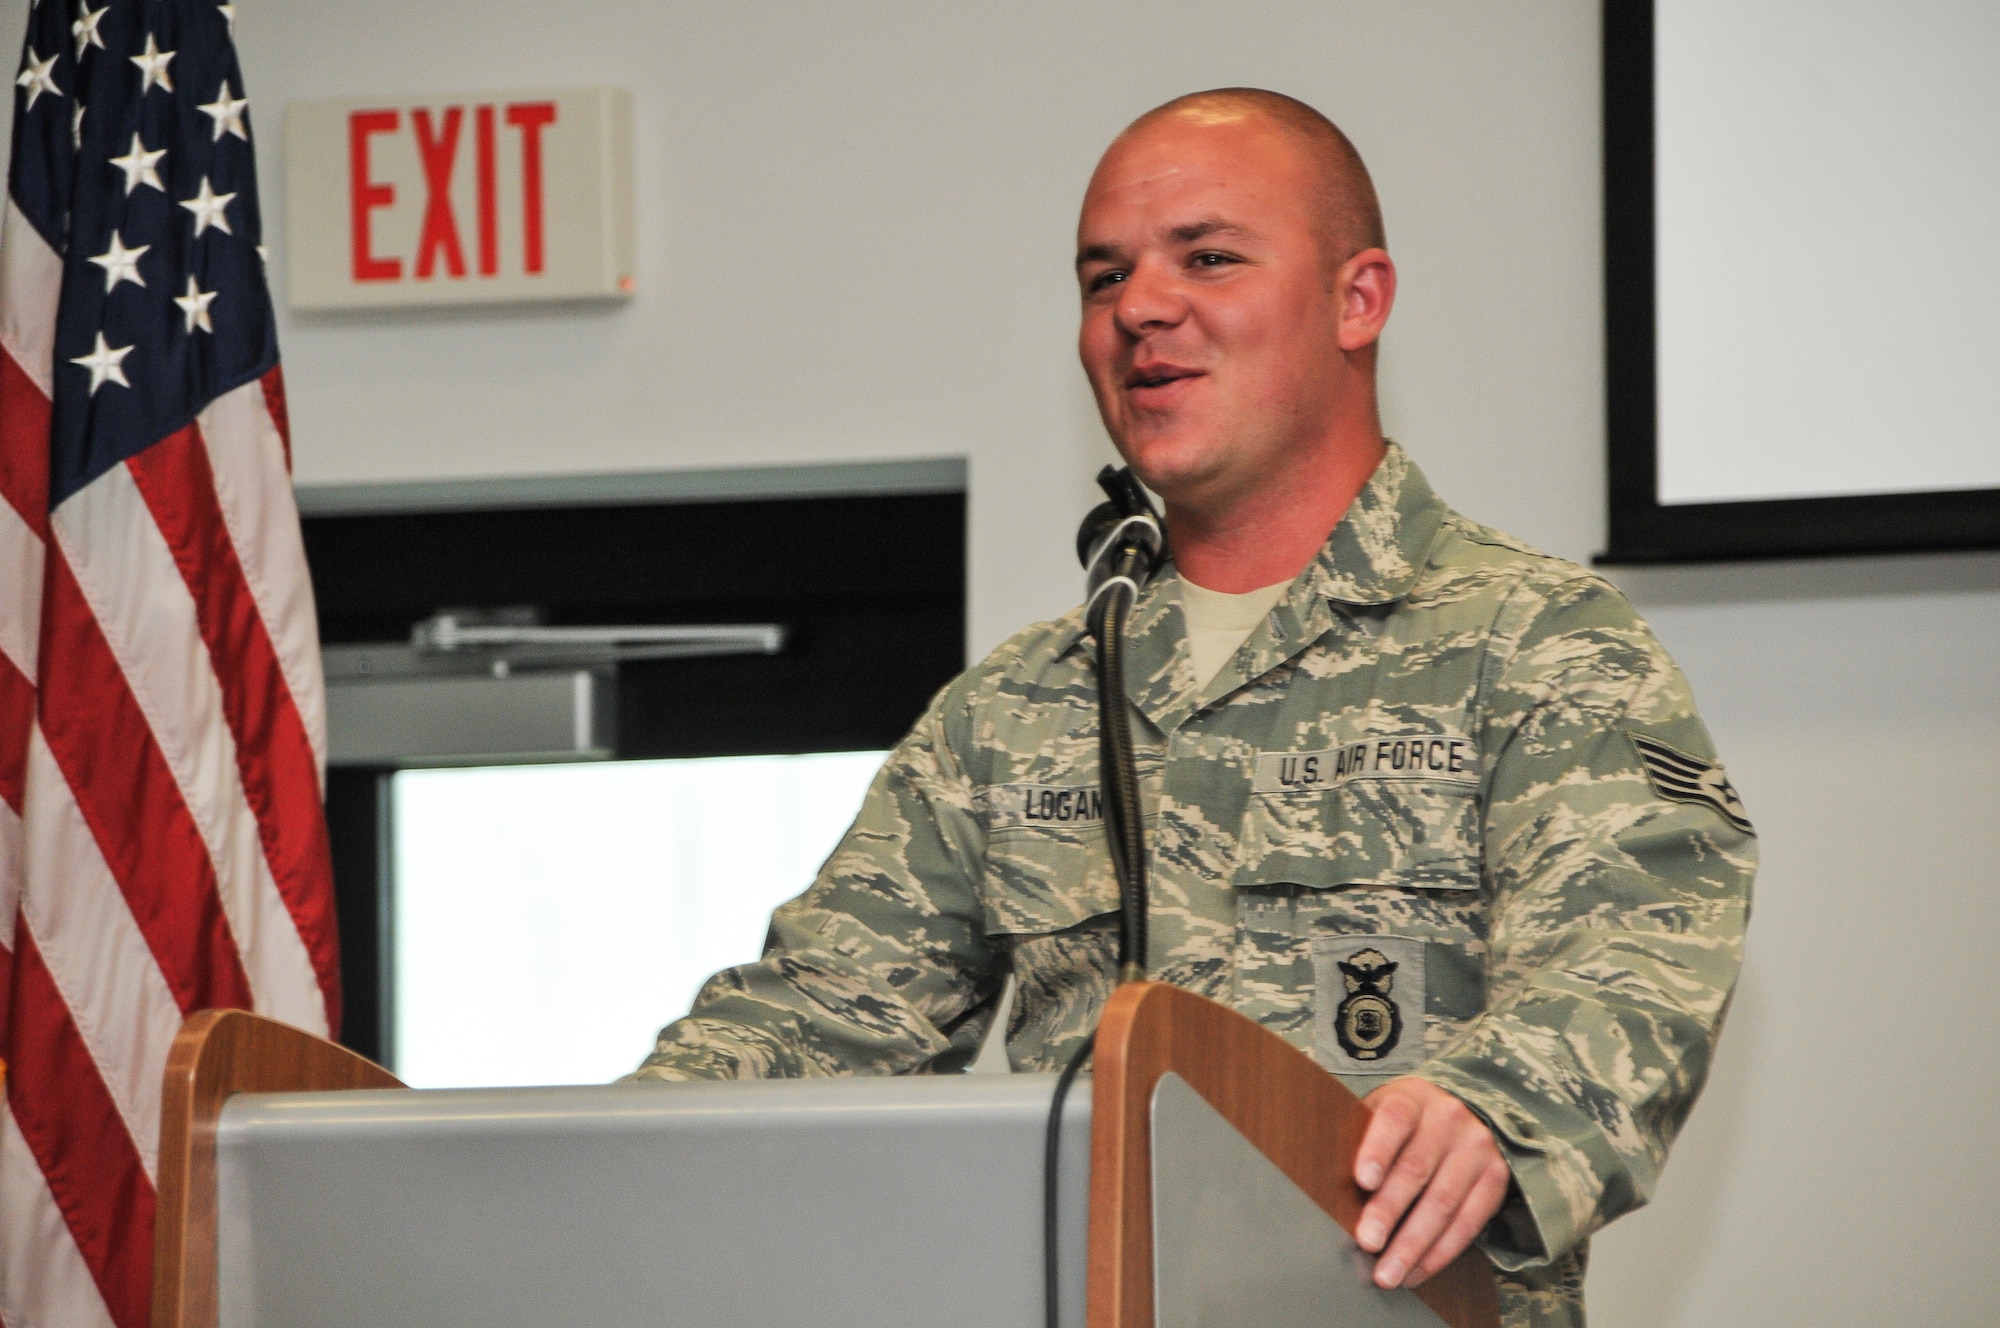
(1424, 1148)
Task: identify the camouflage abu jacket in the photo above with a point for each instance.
(1448, 812)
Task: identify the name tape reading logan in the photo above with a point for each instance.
(1042, 805)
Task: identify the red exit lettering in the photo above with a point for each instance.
(437, 148)
(366, 195)
(437, 140)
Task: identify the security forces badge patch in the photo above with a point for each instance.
(1368, 1023)
(1678, 777)
(1370, 1018)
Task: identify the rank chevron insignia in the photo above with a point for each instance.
(1678, 777)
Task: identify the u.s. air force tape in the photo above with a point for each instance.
(1678, 777)
(1442, 757)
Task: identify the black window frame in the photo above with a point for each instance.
(870, 583)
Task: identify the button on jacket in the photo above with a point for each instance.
(1448, 812)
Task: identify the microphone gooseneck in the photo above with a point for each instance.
(1124, 824)
(1119, 545)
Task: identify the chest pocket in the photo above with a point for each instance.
(1323, 822)
(1048, 866)
(1387, 848)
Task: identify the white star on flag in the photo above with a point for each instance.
(76, 126)
(227, 112)
(195, 305)
(120, 263)
(152, 64)
(103, 363)
(138, 167)
(85, 28)
(39, 77)
(207, 207)
(229, 17)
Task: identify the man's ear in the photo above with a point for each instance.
(1366, 289)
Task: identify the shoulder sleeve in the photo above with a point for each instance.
(882, 966)
(1620, 864)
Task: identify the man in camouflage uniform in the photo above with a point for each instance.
(1446, 819)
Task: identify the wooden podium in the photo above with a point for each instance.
(1218, 1191)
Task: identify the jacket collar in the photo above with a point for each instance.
(1373, 556)
(1376, 552)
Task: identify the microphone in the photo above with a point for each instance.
(1124, 526)
(1120, 545)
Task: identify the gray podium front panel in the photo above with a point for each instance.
(879, 1202)
(1236, 1242)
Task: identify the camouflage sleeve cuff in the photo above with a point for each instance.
(695, 1049)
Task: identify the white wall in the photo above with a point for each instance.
(1842, 1168)
(855, 221)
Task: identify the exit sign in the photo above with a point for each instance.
(466, 199)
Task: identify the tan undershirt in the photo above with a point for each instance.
(1218, 623)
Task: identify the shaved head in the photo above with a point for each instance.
(1234, 285)
(1349, 216)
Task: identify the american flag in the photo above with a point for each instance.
(162, 845)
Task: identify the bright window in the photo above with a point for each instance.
(547, 920)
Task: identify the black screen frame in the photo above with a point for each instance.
(1642, 530)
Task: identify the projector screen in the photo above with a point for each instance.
(1803, 282)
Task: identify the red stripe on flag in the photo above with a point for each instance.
(128, 797)
(24, 446)
(17, 712)
(73, 1128)
(273, 755)
(274, 401)
(7, 1039)
(17, 715)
